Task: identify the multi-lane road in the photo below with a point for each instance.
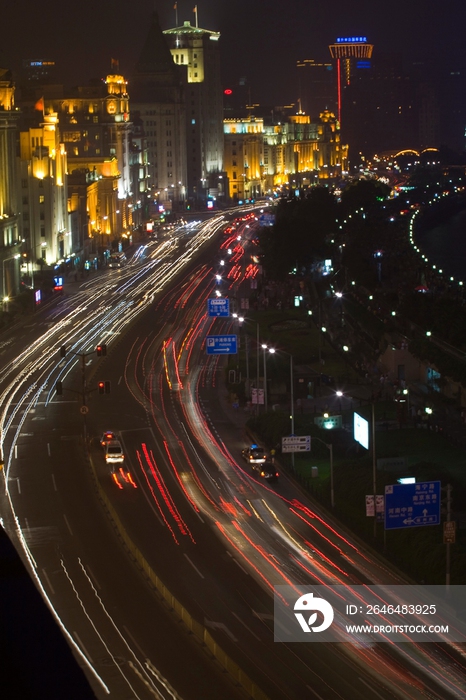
(192, 533)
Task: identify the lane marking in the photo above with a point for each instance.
(67, 524)
(371, 688)
(44, 573)
(194, 566)
(245, 625)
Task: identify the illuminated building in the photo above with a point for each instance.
(244, 158)
(38, 70)
(260, 156)
(158, 102)
(44, 193)
(196, 51)
(9, 210)
(350, 54)
(96, 131)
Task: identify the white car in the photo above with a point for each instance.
(254, 454)
(114, 452)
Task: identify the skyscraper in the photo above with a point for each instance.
(158, 101)
(196, 52)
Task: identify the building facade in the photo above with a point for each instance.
(44, 194)
(196, 51)
(10, 224)
(158, 103)
(261, 157)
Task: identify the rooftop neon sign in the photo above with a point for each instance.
(352, 40)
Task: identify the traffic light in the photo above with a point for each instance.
(101, 350)
(107, 386)
(101, 386)
(59, 388)
(104, 387)
(63, 351)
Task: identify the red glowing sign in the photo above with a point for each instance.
(228, 91)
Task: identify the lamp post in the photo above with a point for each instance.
(292, 402)
(5, 295)
(271, 350)
(374, 469)
(329, 446)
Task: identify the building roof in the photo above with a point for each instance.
(187, 28)
(155, 57)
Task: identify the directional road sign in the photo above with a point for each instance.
(296, 443)
(218, 307)
(412, 505)
(221, 344)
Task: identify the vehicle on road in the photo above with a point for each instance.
(114, 452)
(106, 437)
(266, 471)
(254, 454)
(122, 477)
(117, 260)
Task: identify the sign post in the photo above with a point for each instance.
(218, 307)
(296, 443)
(221, 344)
(412, 505)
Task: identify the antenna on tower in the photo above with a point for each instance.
(175, 7)
(195, 12)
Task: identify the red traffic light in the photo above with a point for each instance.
(101, 350)
(101, 386)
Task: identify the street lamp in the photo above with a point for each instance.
(291, 396)
(271, 350)
(5, 295)
(329, 446)
(257, 357)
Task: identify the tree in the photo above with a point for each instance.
(368, 194)
(299, 236)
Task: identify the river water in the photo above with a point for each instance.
(445, 246)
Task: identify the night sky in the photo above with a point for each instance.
(259, 40)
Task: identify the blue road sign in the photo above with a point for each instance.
(221, 344)
(218, 307)
(412, 505)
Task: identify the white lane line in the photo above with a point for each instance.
(83, 648)
(237, 562)
(141, 651)
(245, 625)
(194, 566)
(44, 574)
(54, 483)
(67, 524)
(314, 692)
(371, 688)
(48, 449)
(91, 574)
